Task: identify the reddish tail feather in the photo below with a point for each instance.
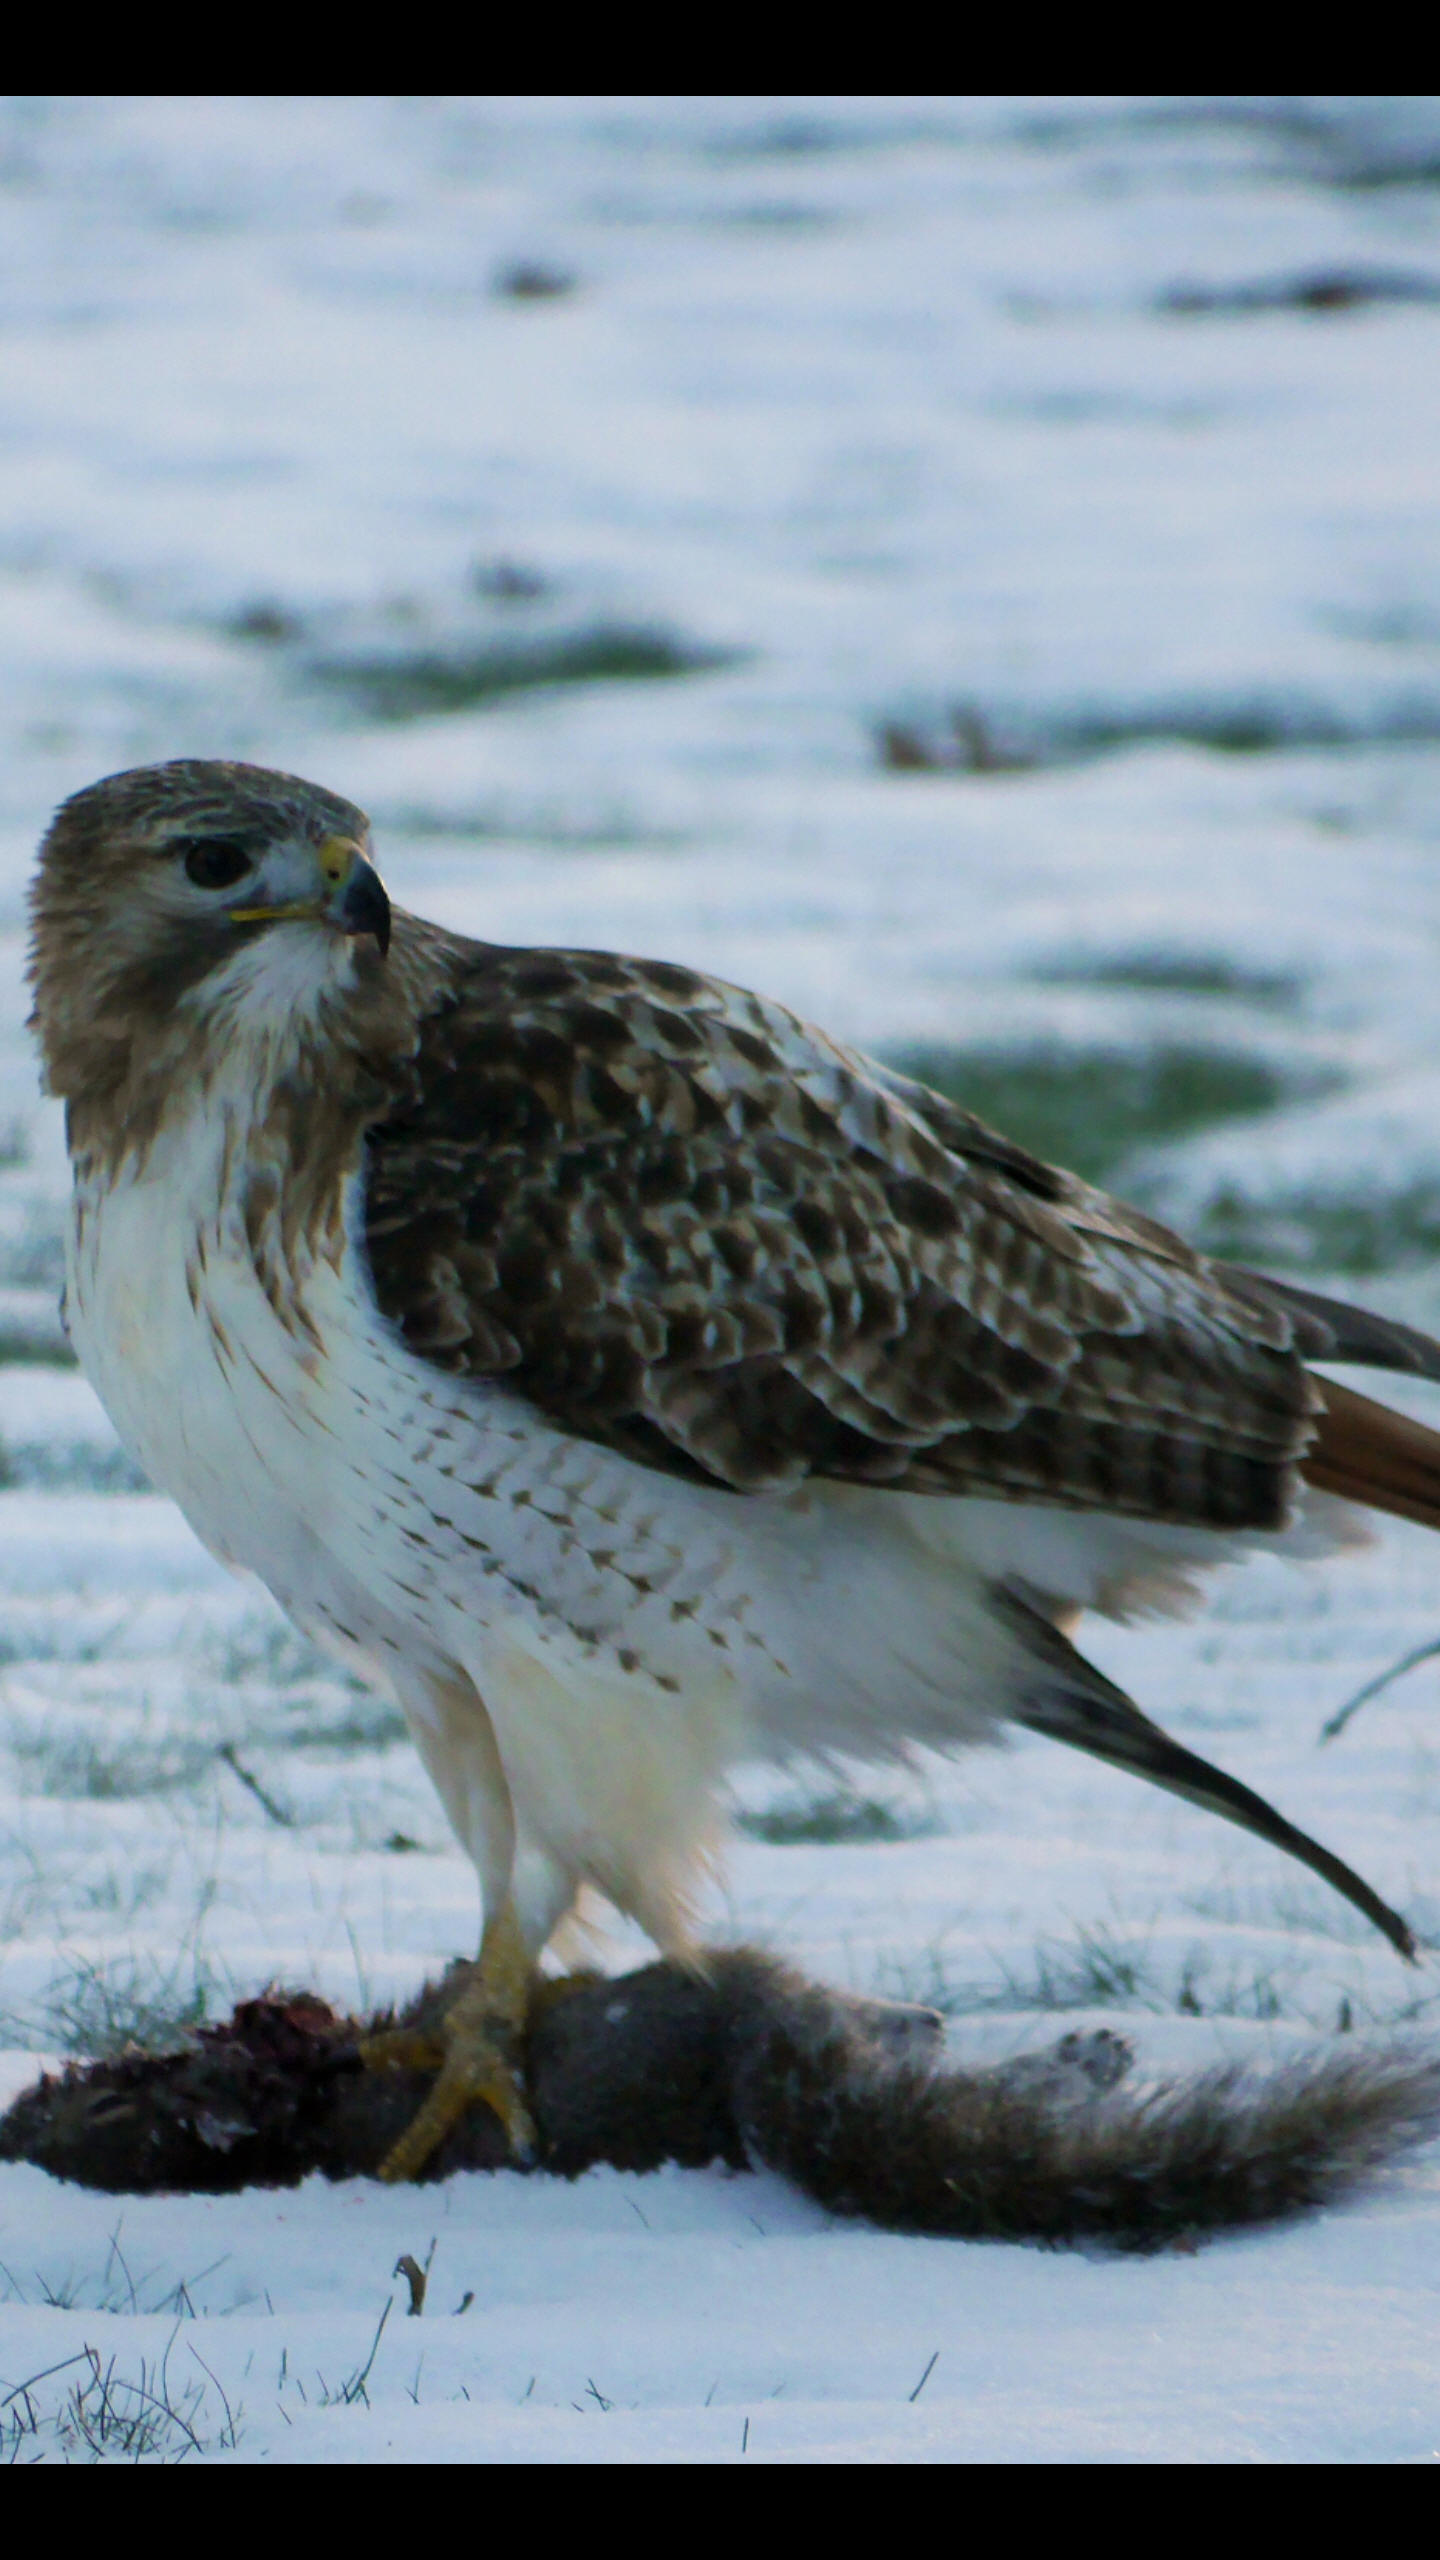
(1370, 1455)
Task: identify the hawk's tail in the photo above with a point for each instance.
(1068, 1699)
(1361, 1450)
(1368, 1454)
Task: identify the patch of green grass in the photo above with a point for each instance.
(1361, 1232)
(59, 1640)
(47, 1894)
(974, 739)
(1257, 727)
(1100, 1968)
(1089, 1108)
(1236, 730)
(133, 2004)
(602, 834)
(321, 1706)
(427, 682)
(113, 2286)
(122, 1893)
(26, 1346)
(1181, 973)
(73, 1466)
(345, 2394)
(93, 1768)
(363, 1724)
(91, 2408)
(35, 1259)
(268, 1649)
(1301, 1910)
(833, 1818)
(264, 620)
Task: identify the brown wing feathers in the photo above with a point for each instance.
(683, 1223)
(1325, 1329)
(1361, 1450)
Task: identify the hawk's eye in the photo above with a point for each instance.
(213, 864)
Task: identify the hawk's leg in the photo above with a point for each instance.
(477, 2050)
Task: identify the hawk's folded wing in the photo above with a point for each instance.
(683, 1223)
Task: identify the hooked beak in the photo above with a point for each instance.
(363, 905)
(353, 899)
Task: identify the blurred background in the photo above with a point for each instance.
(969, 568)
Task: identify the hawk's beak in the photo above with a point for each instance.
(353, 898)
(362, 906)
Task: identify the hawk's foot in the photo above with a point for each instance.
(476, 2049)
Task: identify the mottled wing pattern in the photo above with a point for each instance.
(686, 1224)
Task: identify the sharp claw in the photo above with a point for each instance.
(402, 2049)
(477, 2048)
(480, 2077)
(523, 2137)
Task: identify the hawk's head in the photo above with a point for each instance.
(155, 882)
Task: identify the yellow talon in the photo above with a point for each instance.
(477, 2048)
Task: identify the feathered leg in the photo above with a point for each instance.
(477, 2047)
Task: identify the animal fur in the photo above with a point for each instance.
(752, 2065)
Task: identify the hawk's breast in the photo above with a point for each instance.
(385, 1503)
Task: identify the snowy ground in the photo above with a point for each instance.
(671, 521)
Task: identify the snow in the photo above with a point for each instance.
(876, 407)
(818, 2337)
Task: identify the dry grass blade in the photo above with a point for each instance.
(1372, 1689)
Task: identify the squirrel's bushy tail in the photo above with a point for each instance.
(1044, 2149)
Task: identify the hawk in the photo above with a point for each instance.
(630, 1378)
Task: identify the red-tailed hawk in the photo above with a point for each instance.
(625, 1374)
